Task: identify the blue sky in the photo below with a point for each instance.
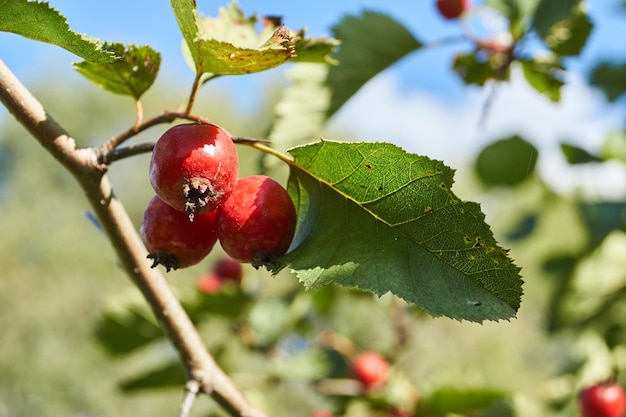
(419, 103)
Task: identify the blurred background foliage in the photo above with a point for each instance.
(76, 338)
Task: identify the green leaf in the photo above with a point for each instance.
(475, 70)
(370, 43)
(610, 78)
(576, 155)
(374, 217)
(126, 325)
(229, 44)
(42, 23)
(168, 375)
(614, 146)
(314, 50)
(301, 113)
(563, 25)
(551, 12)
(545, 77)
(304, 365)
(475, 402)
(507, 161)
(131, 76)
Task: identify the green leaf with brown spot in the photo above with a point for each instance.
(374, 217)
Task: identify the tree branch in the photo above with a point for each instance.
(83, 164)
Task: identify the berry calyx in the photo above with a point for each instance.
(606, 399)
(371, 369)
(452, 9)
(257, 222)
(194, 167)
(172, 240)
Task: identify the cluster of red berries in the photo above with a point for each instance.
(452, 9)
(201, 199)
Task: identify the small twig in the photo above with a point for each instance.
(139, 110)
(107, 158)
(192, 388)
(249, 141)
(194, 91)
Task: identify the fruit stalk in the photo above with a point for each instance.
(83, 165)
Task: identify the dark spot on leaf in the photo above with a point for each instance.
(380, 188)
(478, 243)
(368, 166)
(467, 239)
(428, 210)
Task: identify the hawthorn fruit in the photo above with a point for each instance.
(172, 240)
(257, 222)
(323, 413)
(371, 369)
(194, 167)
(209, 283)
(452, 9)
(606, 399)
(228, 269)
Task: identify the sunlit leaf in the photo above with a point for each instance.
(478, 71)
(40, 22)
(568, 38)
(301, 113)
(369, 44)
(230, 44)
(544, 76)
(374, 217)
(507, 161)
(614, 146)
(131, 76)
(475, 402)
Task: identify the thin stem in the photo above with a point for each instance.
(271, 151)
(82, 164)
(194, 92)
(107, 158)
(139, 111)
(192, 388)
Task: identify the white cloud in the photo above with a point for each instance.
(450, 130)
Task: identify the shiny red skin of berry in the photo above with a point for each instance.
(257, 222)
(371, 369)
(172, 239)
(194, 167)
(606, 399)
(228, 269)
(452, 9)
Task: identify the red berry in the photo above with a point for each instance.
(603, 400)
(194, 167)
(210, 283)
(323, 413)
(371, 369)
(257, 222)
(228, 269)
(452, 9)
(172, 240)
